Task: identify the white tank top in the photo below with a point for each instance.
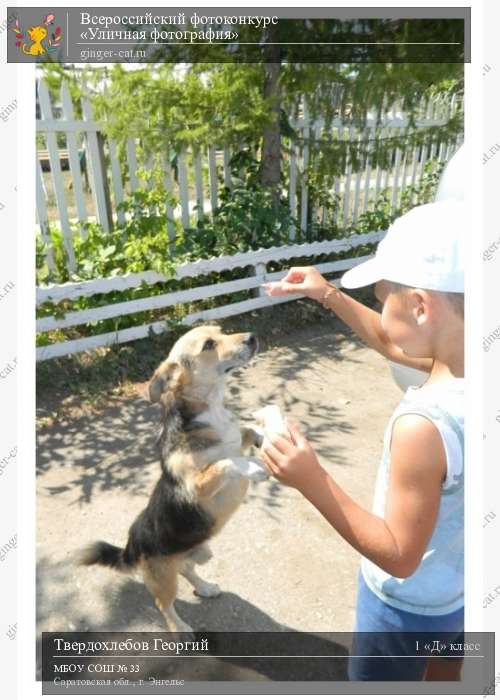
(437, 586)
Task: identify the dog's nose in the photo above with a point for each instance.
(251, 340)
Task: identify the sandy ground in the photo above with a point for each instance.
(279, 564)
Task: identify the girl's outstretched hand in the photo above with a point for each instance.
(299, 280)
(293, 463)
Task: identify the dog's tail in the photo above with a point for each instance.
(104, 554)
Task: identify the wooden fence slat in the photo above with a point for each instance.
(388, 135)
(292, 190)
(212, 177)
(169, 210)
(45, 125)
(266, 255)
(102, 285)
(452, 110)
(305, 165)
(357, 186)
(183, 188)
(387, 120)
(336, 211)
(324, 210)
(368, 169)
(198, 182)
(55, 168)
(395, 181)
(132, 165)
(433, 143)
(423, 161)
(75, 290)
(227, 169)
(347, 185)
(116, 178)
(314, 205)
(149, 166)
(442, 151)
(43, 218)
(404, 175)
(378, 173)
(416, 152)
(99, 187)
(326, 191)
(73, 156)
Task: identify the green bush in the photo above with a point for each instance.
(247, 217)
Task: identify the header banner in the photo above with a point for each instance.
(246, 35)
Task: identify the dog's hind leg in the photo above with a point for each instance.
(203, 588)
(160, 577)
(201, 554)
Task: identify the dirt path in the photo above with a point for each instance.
(279, 564)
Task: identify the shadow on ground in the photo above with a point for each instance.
(101, 453)
(129, 606)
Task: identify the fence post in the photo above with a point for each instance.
(260, 271)
(43, 218)
(227, 169)
(132, 165)
(100, 189)
(182, 172)
(292, 197)
(198, 180)
(74, 160)
(368, 166)
(55, 168)
(117, 181)
(305, 165)
(105, 183)
(169, 186)
(212, 176)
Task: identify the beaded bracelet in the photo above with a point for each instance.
(326, 295)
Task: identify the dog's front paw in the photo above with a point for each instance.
(251, 436)
(252, 468)
(258, 436)
(257, 470)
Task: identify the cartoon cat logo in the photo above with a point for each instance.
(37, 35)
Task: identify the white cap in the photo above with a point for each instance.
(423, 248)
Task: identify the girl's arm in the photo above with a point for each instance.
(397, 541)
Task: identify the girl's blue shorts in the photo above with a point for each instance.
(373, 615)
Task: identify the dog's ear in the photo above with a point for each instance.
(164, 379)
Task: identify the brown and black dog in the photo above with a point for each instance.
(204, 475)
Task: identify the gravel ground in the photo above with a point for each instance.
(279, 564)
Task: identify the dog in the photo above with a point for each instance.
(204, 473)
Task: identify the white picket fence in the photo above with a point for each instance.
(258, 259)
(196, 189)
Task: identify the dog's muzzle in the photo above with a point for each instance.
(247, 350)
